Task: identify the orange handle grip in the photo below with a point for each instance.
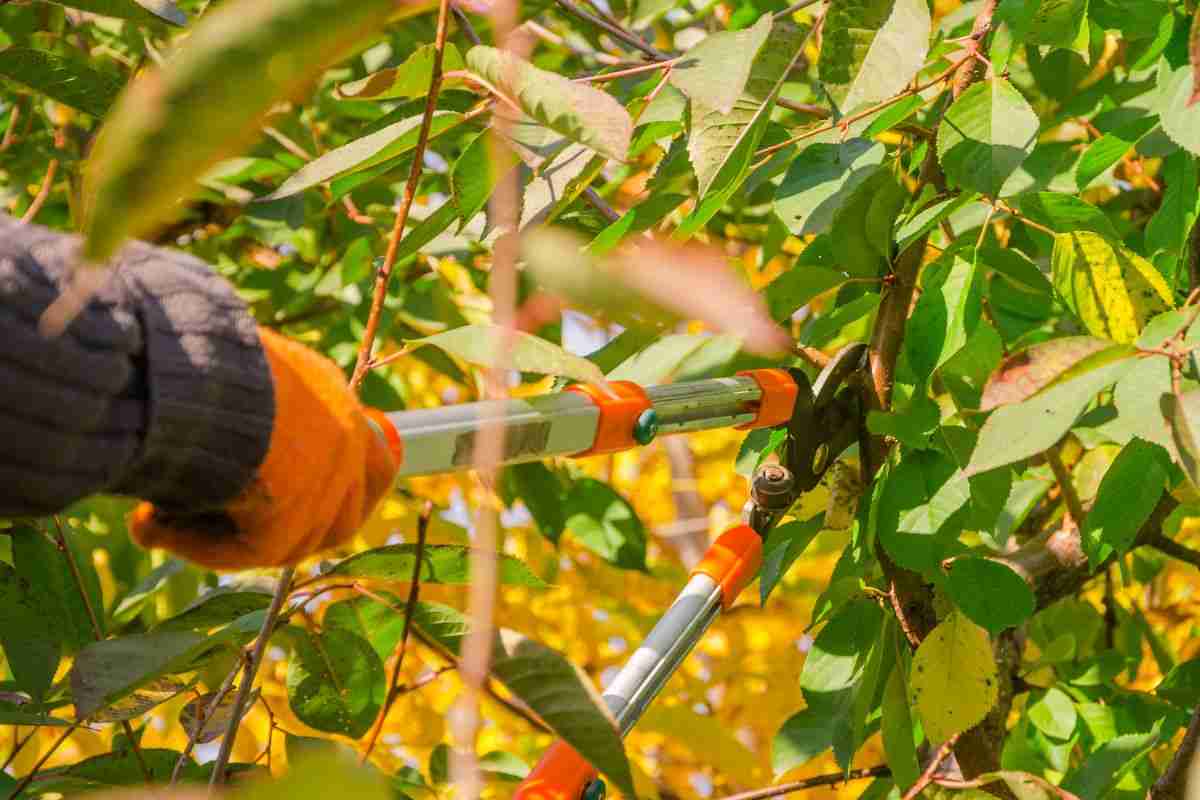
(732, 561)
(561, 774)
(779, 391)
(388, 431)
(620, 404)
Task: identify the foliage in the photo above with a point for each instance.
(999, 196)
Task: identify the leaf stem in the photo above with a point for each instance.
(614, 30)
(414, 591)
(926, 777)
(384, 275)
(1065, 485)
(794, 7)
(602, 77)
(43, 192)
(202, 721)
(21, 784)
(282, 590)
(1175, 550)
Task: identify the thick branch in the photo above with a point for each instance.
(1173, 785)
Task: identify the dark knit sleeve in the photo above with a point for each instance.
(158, 388)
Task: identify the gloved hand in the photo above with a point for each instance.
(326, 468)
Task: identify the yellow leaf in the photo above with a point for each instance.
(1111, 289)
(953, 678)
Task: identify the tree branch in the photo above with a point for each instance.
(1065, 485)
(384, 275)
(1173, 784)
(831, 779)
(931, 769)
(616, 31)
(260, 648)
(1175, 550)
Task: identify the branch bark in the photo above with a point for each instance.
(1173, 784)
(832, 779)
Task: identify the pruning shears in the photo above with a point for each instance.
(819, 420)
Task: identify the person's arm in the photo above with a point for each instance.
(159, 388)
(247, 447)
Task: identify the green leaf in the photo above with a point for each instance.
(896, 727)
(472, 179)
(140, 11)
(409, 80)
(1054, 22)
(73, 83)
(674, 357)
(721, 144)
(642, 217)
(1023, 429)
(132, 604)
(1064, 213)
(1180, 119)
(32, 646)
(218, 607)
(562, 696)
(174, 123)
(919, 497)
(821, 179)
(478, 344)
(1109, 763)
(1181, 685)
(912, 426)
(52, 585)
(952, 684)
(380, 624)
(714, 72)
(1127, 495)
(426, 231)
(784, 545)
(990, 593)
(871, 49)
(442, 563)
(606, 524)
(364, 152)
(542, 493)
(104, 672)
(862, 227)
(1112, 290)
(1025, 373)
(123, 767)
(1111, 148)
(797, 286)
(322, 768)
(580, 112)
(804, 736)
(946, 314)
(335, 681)
(1054, 714)
(1172, 223)
(986, 135)
(1183, 418)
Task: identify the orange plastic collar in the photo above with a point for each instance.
(732, 561)
(385, 427)
(620, 404)
(779, 392)
(562, 774)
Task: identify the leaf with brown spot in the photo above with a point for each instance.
(1025, 373)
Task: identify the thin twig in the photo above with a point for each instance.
(287, 143)
(602, 77)
(18, 746)
(1175, 550)
(812, 355)
(831, 779)
(616, 31)
(97, 633)
(1065, 485)
(21, 784)
(811, 109)
(414, 591)
(10, 133)
(202, 721)
(464, 24)
(384, 275)
(794, 7)
(600, 204)
(39, 200)
(256, 657)
(927, 776)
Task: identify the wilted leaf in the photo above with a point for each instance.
(1127, 495)
(442, 563)
(70, 82)
(563, 697)
(679, 281)
(953, 679)
(410, 79)
(986, 135)
(714, 72)
(192, 715)
(872, 49)
(140, 11)
(721, 144)
(1023, 429)
(821, 179)
(173, 123)
(580, 112)
(364, 152)
(1025, 373)
(990, 593)
(1112, 290)
(606, 524)
(335, 681)
(481, 345)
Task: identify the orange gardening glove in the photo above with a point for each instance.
(326, 468)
